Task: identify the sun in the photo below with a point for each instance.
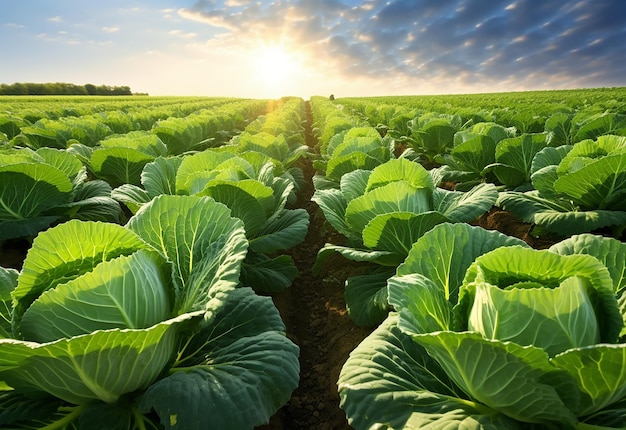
(275, 66)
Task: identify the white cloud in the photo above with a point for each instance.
(181, 33)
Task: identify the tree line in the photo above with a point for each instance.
(61, 88)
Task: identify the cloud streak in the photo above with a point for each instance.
(482, 43)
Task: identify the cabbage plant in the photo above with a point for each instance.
(495, 335)
(348, 150)
(120, 159)
(142, 326)
(246, 183)
(577, 188)
(381, 213)
(430, 135)
(44, 187)
(474, 151)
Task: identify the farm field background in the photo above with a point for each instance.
(284, 168)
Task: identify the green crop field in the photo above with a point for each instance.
(451, 261)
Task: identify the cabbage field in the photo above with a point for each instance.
(452, 261)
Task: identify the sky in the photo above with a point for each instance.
(269, 49)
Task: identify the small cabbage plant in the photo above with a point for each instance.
(495, 335)
(142, 326)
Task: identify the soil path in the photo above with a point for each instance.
(313, 309)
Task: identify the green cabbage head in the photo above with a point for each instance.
(141, 326)
(487, 333)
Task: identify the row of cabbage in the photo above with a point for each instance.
(565, 176)
(475, 329)
(57, 178)
(153, 321)
(89, 129)
(526, 111)
(33, 109)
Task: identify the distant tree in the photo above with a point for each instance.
(332, 97)
(62, 88)
(17, 89)
(91, 89)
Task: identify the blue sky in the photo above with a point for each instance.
(247, 48)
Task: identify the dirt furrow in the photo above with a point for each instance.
(313, 309)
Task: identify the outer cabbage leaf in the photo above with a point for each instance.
(397, 196)
(434, 137)
(18, 408)
(333, 204)
(65, 161)
(8, 282)
(543, 180)
(496, 131)
(339, 166)
(601, 124)
(397, 231)
(14, 228)
(383, 258)
(125, 292)
(198, 235)
(549, 156)
(92, 201)
(558, 216)
(458, 245)
(248, 200)
(460, 206)
(581, 154)
(102, 365)
(389, 381)
(119, 165)
(599, 374)
(196, 170)
(180, 134)
(265, 143)
(514, 158)
(599, 185)
(282, 232)
(366, 297)
(559, 128)
(365, 144)
(474, 154)
(242, 370)
(611, 252)
(268, 275)
(132, 196)
(67, 251)
(29, 189)
(516, 381)
(400, 170)
(159, 176)
(354, 184)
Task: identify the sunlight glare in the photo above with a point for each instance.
(275, 67)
